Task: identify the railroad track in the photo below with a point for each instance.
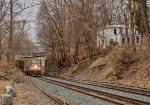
(116, 99)
(125, 88)
(54, 98)
(82, 90)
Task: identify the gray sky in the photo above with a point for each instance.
(30, 14)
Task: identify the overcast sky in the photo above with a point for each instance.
(30, 14)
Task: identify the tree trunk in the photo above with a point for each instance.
(89, 47)
(10, 33)
(146, 22)
(76, 50)
(126, 28)
(1, 51)
(132, 9)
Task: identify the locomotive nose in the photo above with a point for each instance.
(35, 67)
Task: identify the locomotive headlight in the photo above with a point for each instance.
(35, 66)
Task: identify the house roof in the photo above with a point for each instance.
(112, 26)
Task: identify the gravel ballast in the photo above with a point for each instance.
(70, 96)
(110, 91)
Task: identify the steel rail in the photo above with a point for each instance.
(124, 88)
(54, 98)
(83, 90)
(97, 94)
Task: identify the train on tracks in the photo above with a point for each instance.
(34, 66)
(38, 65)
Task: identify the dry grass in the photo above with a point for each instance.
(2, 87)
(138, 75)
(123, 61)
(10, 72)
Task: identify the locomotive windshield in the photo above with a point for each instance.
(35, 62)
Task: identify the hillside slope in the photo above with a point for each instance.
(118, 66)
(98, 70)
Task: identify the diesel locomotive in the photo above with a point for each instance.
(34, 66)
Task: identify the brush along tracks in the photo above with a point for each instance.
(106, 96)
(55, 99)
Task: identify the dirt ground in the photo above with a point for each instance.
(98, 70)
(2, 86)
(27, 94)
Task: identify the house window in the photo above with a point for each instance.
(121, 29)
(128, 40)
(137, 40)
(136, 31)
(123, 40)
(102, 42)
(115, 31)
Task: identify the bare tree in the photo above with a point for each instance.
(132, 13)
(3, 14)
(13, 14)
(146, 21)
(75, 23)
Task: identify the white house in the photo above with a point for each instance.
(116, 34)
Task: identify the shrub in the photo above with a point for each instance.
(127, 58)
(102, 51)
(9, 72)
(122, 64)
